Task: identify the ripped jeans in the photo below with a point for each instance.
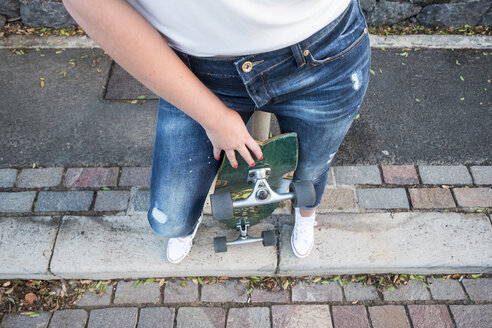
(314, 87)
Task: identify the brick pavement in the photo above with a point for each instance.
(180, 302)
(112, 190)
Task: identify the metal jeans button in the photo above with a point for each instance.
(247, 67)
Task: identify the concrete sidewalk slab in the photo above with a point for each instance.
(25, 247)
(409, 242)
(109, 247)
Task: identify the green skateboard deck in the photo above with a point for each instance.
(279, 154)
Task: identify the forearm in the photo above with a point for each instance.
(141, 50)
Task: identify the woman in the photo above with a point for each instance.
(213, 63)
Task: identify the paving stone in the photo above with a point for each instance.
(445, 174)
(482, 175)
(126, 247)
(472, 316)
(338, 200)
(38, 178)
(200, 317)
(26, 244)
(473, 197)
(135, 176)
(22, 321)
(331, 177)
(354, 175)
(139, 201)
(227, 291)
(430, 316)
(447, 289)
(389, 316)
(156, 317)
(350, 316)
(91, 177)
(69, 318)
(175, 292)
(16, 201)
(113, 317)
(253, 317)
(383, 198)
(431, 198)
(112, 200)
(7, 177)
(357, 291)
(59, 201)
(400, 174)
(94, 299)
(303, 292)
(269, 296)
(127, 294)
(420, 242)
(413, 291)
(479, 289)
(301, 316)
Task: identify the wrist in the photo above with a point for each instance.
(214, 116)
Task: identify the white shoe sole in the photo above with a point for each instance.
(297, 254)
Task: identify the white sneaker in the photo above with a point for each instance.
(178, 248)
(302, 239)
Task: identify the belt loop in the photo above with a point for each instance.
(296, 51)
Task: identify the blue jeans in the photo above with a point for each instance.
(314, 88)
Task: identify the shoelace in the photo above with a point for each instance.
(184, 241)
(304, 226)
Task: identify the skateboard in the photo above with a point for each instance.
(248, 194)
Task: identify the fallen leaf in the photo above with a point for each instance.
(6, 284)
(31, 298)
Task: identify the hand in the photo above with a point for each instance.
(231, 134)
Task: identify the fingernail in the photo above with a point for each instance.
(261, 157)
(217, 158)
(235, 166)
(252, 164)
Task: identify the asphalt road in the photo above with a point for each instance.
(417, 110)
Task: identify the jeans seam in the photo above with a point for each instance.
(218, 74)
(346, 52)
(269, 68)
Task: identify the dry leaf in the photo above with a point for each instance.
(6, 284)
(31, 298)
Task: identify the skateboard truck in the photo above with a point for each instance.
(221, 243)
(302, 194)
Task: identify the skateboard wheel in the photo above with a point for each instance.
(268, 238)
(220, 244)
(304, 193)
(221, 204)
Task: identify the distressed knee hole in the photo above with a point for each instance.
(159, 215)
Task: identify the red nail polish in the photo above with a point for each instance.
(252, 164)
(235, 166)
(261, 157)
(217, 158)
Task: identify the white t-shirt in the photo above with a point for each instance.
(237, 27)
